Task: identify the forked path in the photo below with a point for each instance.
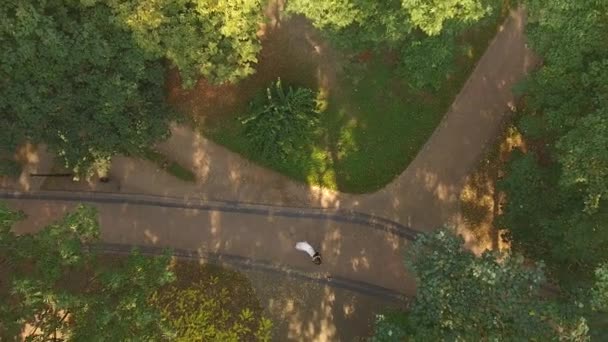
(423, 197)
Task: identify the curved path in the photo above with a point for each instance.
(260, 236)
(424, 196)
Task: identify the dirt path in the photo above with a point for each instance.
(263, 233)
(426, 194)
(423, 197)
(329, 302)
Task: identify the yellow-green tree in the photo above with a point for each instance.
(211, 39)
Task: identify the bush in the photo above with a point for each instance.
(209, 303)
(279, 125)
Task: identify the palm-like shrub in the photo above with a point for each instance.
(280, 125)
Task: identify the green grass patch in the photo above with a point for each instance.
(374, 124)
(170, 166)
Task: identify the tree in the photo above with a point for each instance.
(569, 92)
(52, 281)
(556, 207)
(354, 23)
(218, 306)
(423, 32)
(387, 20)
(72, 78)
(213, 39)
(464, 297)
(431, 15)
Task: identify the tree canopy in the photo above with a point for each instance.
(569, 93)
(556, 207)
(213, 39)
(208, 303)
(70, 77)
(56, 283)
(87, 77)
(390, 20)
(462, 297)
(422, 32)
(431, 15)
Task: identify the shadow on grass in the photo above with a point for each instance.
(168, 165)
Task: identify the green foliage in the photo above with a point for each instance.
(121, 309)
(422, 31)
(557, 209)
(72, 78)
(219, 307)
(332, 14)
(463, 297)
(53, 281)
(430, 16)
(356, 23)
(374, 123)
(392, 20)
(428, 61)
(570, 91)
(7, 219)
(281, 125)
(391, 326)
(213, 39)
(599, 298)
(599, 304)
(583, 154)
(548, 222)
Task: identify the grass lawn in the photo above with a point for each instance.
(374, 124)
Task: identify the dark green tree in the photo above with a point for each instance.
(423, 32)
(73, 78)
(556, 207)
(390, 20)
(430, 16)
(462, 297)
(428, 61)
